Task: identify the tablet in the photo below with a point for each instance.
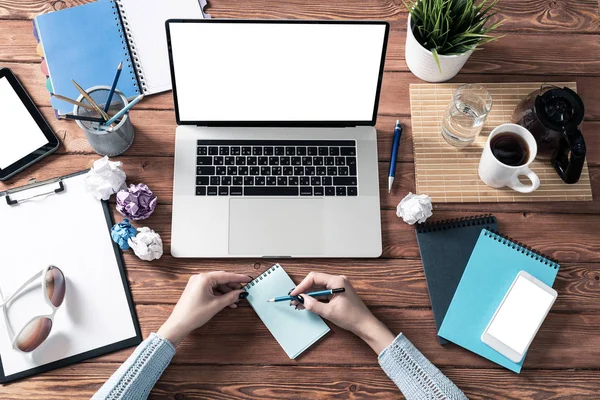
(25, 136)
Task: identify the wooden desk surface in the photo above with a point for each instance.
(234, 356)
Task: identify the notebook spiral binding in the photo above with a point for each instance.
(261, 277)
(520, 247)
(130, 51)
(484, 219)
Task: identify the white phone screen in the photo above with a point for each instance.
(520, 315)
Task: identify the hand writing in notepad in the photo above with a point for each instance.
(204, 296)
(346, 310)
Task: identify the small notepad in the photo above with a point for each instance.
(294, 330)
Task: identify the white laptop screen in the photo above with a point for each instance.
(277, 71)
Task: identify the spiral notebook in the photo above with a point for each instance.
(493, 266)
(294, 330)
(86, 43)
(445, 248)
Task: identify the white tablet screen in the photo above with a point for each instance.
(520, 315)
(20, 135)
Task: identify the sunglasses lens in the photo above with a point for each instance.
(55, 286)
(34, 334)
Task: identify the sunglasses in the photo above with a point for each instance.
(36, 331)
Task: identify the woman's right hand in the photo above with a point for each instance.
(346, 310)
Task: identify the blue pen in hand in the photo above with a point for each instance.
(392, 174)
(311, 294)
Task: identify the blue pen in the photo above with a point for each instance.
(124, 110)
(113, 87)
(392, 174)
(311, 294)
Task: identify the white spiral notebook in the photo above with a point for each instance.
(294, 330)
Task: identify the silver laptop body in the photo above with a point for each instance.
(276, 152)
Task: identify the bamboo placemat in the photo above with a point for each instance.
(449, 175)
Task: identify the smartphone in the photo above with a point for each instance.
(519, 316)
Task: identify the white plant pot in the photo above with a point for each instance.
(420, 61)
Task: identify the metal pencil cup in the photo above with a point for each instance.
(104, 140)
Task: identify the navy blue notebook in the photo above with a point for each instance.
(445, 248)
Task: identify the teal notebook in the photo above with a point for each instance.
(493, 266)
(294, 330)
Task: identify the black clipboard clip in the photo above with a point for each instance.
(34, 184)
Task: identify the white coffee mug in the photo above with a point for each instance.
(497, 174)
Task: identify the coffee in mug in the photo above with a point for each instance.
(510, 148)
(507, 154)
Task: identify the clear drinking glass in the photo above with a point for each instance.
(466, 114)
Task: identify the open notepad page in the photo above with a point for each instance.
(68, 230)
(294, 330)
(146, 20)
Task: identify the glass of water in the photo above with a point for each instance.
(466, 114)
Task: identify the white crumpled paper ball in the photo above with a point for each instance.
(147, 244)
(105, 178)
(415, 208)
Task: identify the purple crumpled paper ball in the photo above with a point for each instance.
(137, 202)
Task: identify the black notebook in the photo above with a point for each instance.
(445, 248)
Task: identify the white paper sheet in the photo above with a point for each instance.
(67, 230)
(147, 23)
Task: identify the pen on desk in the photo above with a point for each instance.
(311, 294)
(124, 109)
(91, 101)
(82, 118)
(113, 87)
(395, 145)
(71, 101)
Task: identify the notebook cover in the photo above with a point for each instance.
(84, 44)
(294, 330)
(445, 248)
(492, 268)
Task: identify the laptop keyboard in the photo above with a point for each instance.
(276, 168)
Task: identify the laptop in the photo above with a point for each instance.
(276, 149)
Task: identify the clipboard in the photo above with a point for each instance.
(70, 188)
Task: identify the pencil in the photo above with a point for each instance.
(71, 101)
(311, 294)
(113, 87)
(82, 118)
(91, 101)
(124, 110)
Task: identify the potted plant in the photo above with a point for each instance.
(442, 34)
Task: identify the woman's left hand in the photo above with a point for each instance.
(204, 296)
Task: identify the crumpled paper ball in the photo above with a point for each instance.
(105, 178)
(122, 232)
(137, 202)
(415, 208)
(147, 244)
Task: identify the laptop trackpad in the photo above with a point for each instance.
(275, 227)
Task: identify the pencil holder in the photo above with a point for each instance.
(104, 140)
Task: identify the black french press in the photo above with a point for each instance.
(553, 115)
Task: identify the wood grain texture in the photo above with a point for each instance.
(158, 172)
(156, 136)
(234, 356)
(499, 57)
(237, 336)
(394, 100)
(304, 382)
(561, 16)
(380, 283)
